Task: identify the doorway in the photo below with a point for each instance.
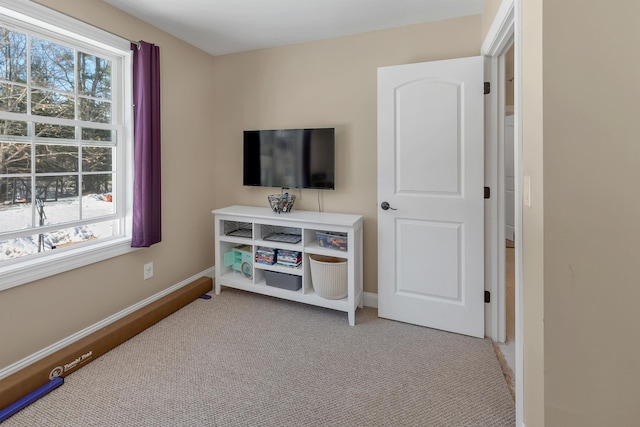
(507, 348)
(503, 36)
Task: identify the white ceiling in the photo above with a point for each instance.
(227, 26)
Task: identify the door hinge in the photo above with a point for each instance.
(487, 88)
(487, 297)
(487, 192)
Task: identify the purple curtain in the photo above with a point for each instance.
(147, 224)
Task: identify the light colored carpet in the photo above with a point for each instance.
(241, 359)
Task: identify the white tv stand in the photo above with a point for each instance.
(246, 225)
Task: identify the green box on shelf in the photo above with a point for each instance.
(240, 259)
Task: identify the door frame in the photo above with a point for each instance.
(505, 30)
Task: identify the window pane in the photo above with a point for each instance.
(52, 104)
(73, 235)
(48, 189)
(51, 65)
(13, 128)
(15, 158)
(95, 111)
(60, 196)
(97, 196)
(45, 130)
(15, 204)
(13, 98)
(97, 159)
(45, 242)
(94, 76)
(16, 248)
(56, 158)
(18, 189)
(100, 135)
(13, 56)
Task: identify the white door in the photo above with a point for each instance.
(431, 175)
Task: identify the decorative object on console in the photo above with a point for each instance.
(281, 202)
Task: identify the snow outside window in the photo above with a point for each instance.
(65, 143)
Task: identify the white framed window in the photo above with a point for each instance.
(65, 143)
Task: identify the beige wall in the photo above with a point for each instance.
(580, 133)
(533, 217)
(36, 315)
(509, 73)
(207, 102)
(591, 208)
(324, 83)
(488, 14)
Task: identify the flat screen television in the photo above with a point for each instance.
(290, 158)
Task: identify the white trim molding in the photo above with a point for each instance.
(505, 30)
(63, 260)
(39, 355)
(370, 300)
(30, 15)
(501, 32)
(42, 17)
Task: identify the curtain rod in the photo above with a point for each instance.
(83, 22)
(137, 43)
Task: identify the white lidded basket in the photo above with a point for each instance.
(329, 276)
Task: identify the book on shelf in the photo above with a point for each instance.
(289, 264)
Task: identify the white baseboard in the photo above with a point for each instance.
(210, 272)
(370, 299)
(21, 364)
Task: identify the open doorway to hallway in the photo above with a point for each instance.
(508, 348)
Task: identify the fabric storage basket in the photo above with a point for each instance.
(329, 276)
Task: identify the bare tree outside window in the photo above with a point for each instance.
(57, 143)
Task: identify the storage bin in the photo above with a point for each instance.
(332, 240)
(329, 276)
(290, 282)
(238, 229)
(278, 233)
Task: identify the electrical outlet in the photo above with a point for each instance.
(148, 270)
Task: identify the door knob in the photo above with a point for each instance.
(385, 206)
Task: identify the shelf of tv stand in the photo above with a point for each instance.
(307, 222)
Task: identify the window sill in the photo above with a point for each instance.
(35, 269)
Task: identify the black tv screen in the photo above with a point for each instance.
(290, 158)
